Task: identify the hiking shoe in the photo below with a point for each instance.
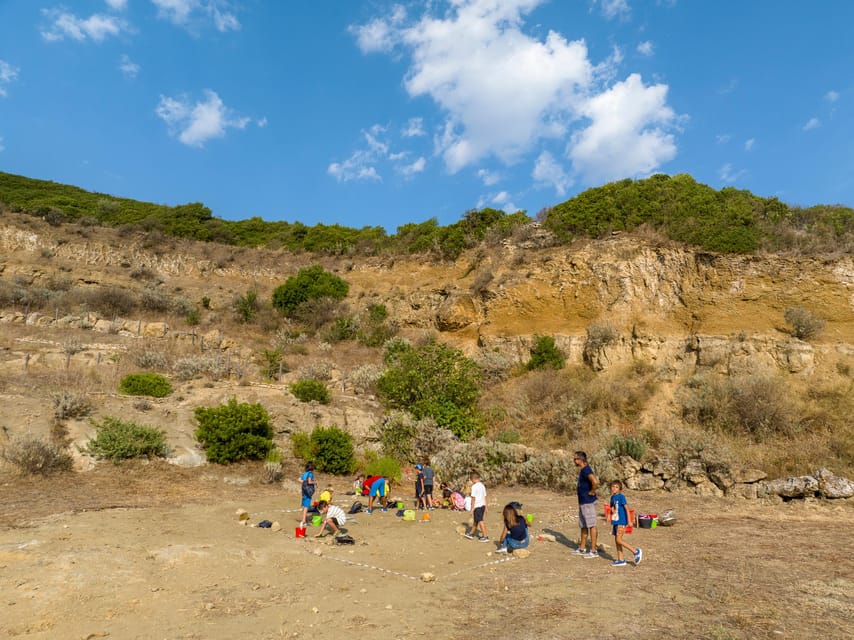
(618, 563)
(469, 536)
(580, 551)
(484, 539)
(591, 554)
(501, 550)
(638, 556)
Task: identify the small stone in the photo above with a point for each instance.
(242, 514)
(318, 551)
(315, 610)
(276, 526)
(427, 577)
(388, 606)
(521, 553)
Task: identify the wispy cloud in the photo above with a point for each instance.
(613, 8)
(748, 144)
(96, 27)
(8, 74)
(504, 92)
(489, 178)
(2, 146)
(646, 48)
(195, 14)
(831, 96)
(413, 168)
(723, 138)
(729, 87)
(376, 149)
(726, 173)
(117, 5)
(196, 123)
(414, 128)
(549, 172)
(812, 123)
(128, 67)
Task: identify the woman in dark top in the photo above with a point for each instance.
(515, 534)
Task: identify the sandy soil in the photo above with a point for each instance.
(153, 551)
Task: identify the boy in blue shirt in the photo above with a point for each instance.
(619, 520)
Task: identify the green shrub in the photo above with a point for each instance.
(145, 384)
(311, 390)
(33, 456)
(385, 466)
(332, 450)
(310, 283)
(271, 362)
(805, 324)
(545, 354)
(631, 446)
(508, 436)
(374, 330)
(246, 306)
(233, 432)
(433, 380)
(301, 445)
(120, 440)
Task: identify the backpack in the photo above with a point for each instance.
(356, 507)
(308, 489)
(344, 539)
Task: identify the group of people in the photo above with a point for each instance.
(514, 534)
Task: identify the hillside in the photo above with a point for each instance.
(659, 338)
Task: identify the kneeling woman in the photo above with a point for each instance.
(515, 534)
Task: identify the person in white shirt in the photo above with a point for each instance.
(478, 504)
(333, 517)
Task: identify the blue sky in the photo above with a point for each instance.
(381, 113)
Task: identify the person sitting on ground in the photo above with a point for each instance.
(325, 495)
(333, 517)
(515, 534)
(379, 488)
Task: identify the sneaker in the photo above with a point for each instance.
(384, 509)
(501, 550)
(618, 563)
(484, 539)
(369, 511)
(638, 556)
(591, 554)
(469, 536)
(580, 551)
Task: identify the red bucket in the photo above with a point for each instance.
(299, 532)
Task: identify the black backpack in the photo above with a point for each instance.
(344, 539)
(356, 507)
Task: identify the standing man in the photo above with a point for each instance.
(587, 485)
(429, 478)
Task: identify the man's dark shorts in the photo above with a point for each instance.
(478, 514)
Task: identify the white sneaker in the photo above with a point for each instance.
(501, 550)
(591, 554)
(580, 551)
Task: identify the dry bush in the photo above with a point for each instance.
(495, 367)
(213, 365)
(151, 360)
(155, 300)
(805, 324)
(364, 377)
(318, 369)
(33, 456)
(272, 473)
(109, 301)
(70, 404)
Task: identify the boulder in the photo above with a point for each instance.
(665, 468)
(708, 489)
(722, 477)
(834, 486)
(155, 329)
(694, 472)
(750, 491)
(792, 487)
(746, 476)
(457, 312)
(625, 467)
(644, 482)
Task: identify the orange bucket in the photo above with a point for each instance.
(425, 516)
(629, 527)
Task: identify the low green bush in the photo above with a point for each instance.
(385, 466)
(121, 440)
(545, 354)
(631, 446)
(145, 384)
(301, 445)
(332, 450)
(234, 431)
(311, 390)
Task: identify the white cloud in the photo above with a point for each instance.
(549, 172)
(726, 174)
(357, 167)
(628, 134)
(723, 138)
(414, 128)
(646, 48)
(613, 8)
(191, 14)
(197, 123)
(8, 74)
(2, 147)
(748, 144)
(831, 96)
(504, 92)
(117, 5)
(96, 27)
(502, 200)
(128, 67)
(489, 177)
(416, 167)
(261, 122)
(812, 123)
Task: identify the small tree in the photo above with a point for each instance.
(332, 450)
(805, 324)
(119, 440)
(145, 384)
(309, 284)
(234, 432)
(545, 354)
(308, 390)
(246, 306)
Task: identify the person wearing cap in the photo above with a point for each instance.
(419, 487)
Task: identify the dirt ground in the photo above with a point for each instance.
(154, 551)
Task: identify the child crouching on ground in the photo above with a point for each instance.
(333, 517)
(619, 520)
(515, 534)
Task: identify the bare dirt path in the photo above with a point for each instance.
(147, 551)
